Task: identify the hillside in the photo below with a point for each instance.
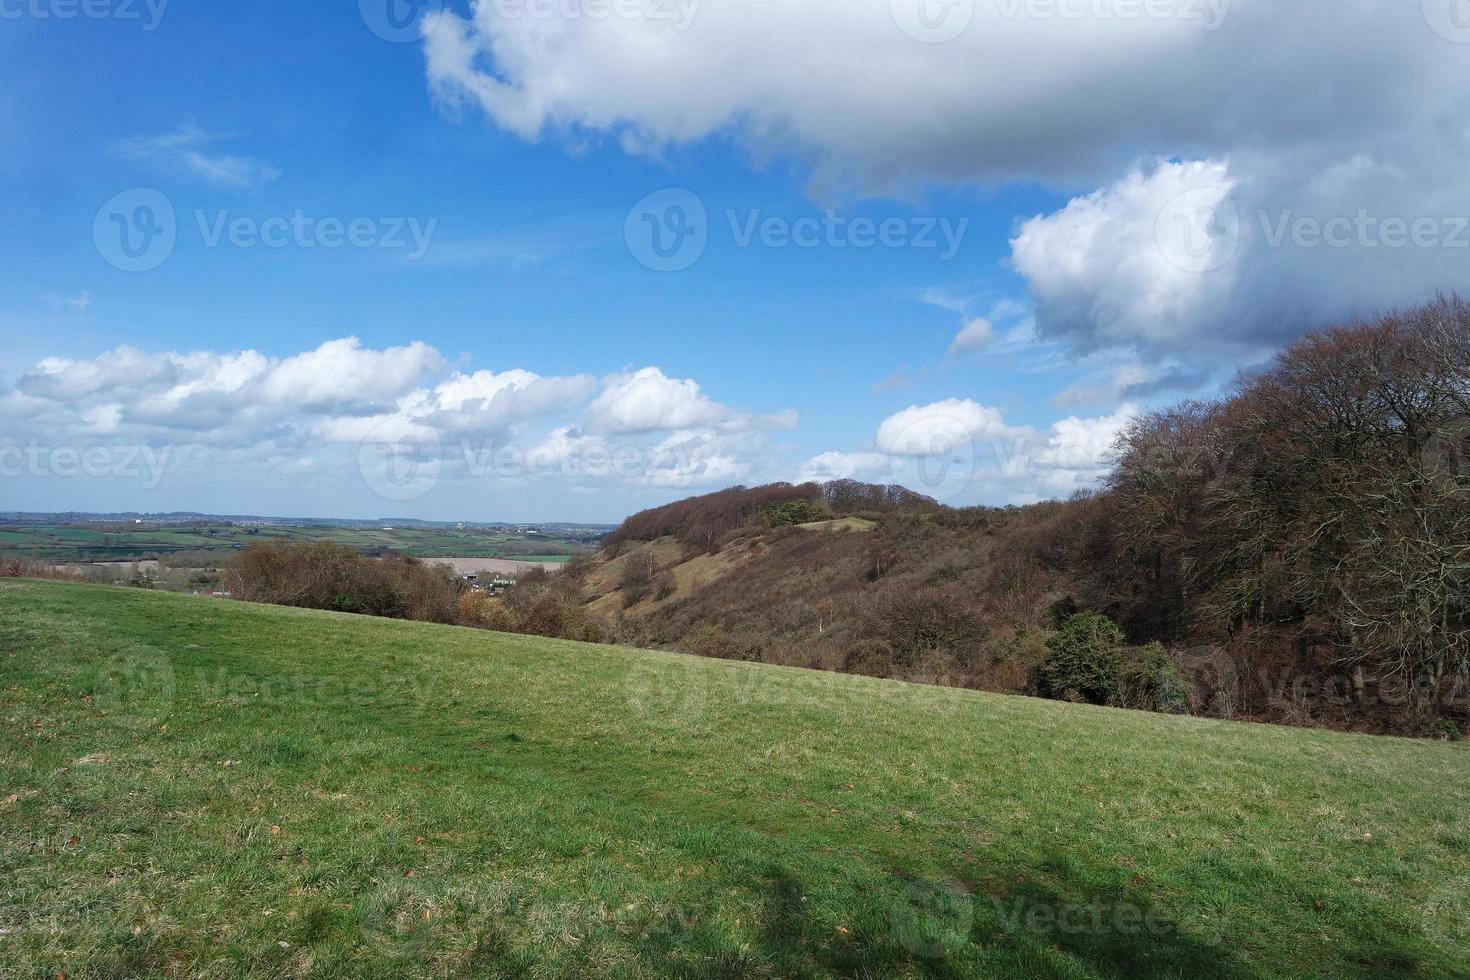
(206, 788)
(1298, 545)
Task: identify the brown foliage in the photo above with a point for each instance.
(1303, 545)
(325, 575)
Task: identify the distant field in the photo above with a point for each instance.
(195, 787)
(87, 543)
(501, 566)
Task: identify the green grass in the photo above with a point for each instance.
(203, 788)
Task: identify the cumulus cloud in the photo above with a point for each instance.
(1201, 259)
(1127, 264)
(958, 451)
(1074, 454)
(638, 428)
(845, 466)
(1378, 121)
(941, 427)
(64, 379)
(647, 400)
(874, 102)
(341, 372)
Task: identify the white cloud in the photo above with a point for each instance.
(873, 103)
(647, 400)
(1131, 380)
(341, 372)
(1206, 259)
(271, 415)
(1379, 121)
(845, 466)
(1127, 265)
(1075, 452)
(186, 148)
(977, 334)
(941, 427)
(63, 379)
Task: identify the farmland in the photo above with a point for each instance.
(124, 542)
(205, 788)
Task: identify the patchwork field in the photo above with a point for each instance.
(98, 542)
(194, 787)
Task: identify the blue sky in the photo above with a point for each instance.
(770, 361)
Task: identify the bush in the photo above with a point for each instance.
(903, 630)
(1082, 662)
(792, 512)
(325, 575)
(484, 612)
(1151, 681)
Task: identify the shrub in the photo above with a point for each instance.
(484, 612)
(1082, 661)
(792, 512)
(905, 629)
(1151, 681)
(325, 575)
(636, 581)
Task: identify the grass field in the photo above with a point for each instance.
(202, 788)
(112, 542)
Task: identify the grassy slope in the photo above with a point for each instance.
(280, 792)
